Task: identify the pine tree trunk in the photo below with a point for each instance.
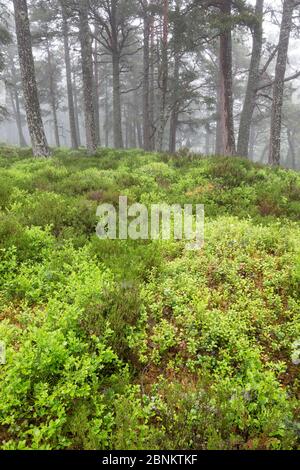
(96, 91)
(292, 152)
(146, 82)
(264, 154)
(133, 133)
(207, 138)
(106, 116)
(176, 91)
(65, 31)
(15, 102)
(164, 76)
(117, 111)
(276, 115)
(173, 131)
(52, 96)
(139, 133)
(76, 108)
(32, 106)
(219, 138)
(151, 84)
(226, 94)
(88, 78)
(126, 125)
(249, 103)
(16, 109)
(251, 143)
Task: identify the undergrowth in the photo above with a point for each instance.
(143, 344)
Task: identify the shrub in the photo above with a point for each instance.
(6, 189)
(143, 344)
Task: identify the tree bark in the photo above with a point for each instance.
(164, 75)
(175, 111)
(264, 154)
(106, 116)
(88, 78)
(219, 138)
(76, 108)
(146, 81)
(152, 84)
(227, 144)
(251, 143)
(207, 138)
(276, 114)
(117, 112)
(53, 103)
(16, 109)
(32, 106)
(72, 120)
(15, 102)
(291, 153)
(176, 91)
(249, 103)
(96, 90)
(139, 133)
(132, 131)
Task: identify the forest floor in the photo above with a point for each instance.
(143, 344)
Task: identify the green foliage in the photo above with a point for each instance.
(144, 345)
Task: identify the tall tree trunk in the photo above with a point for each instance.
(106, 116)
(15, 102)
(173, 131)
(139, 133)
(249, 103)
(219, 137)
(207, 138)
(251, 143)
(175, 109)
(152, 84)
(176, 91)
(65, 31)
(126, 124)
(164, 75)
(87, 76)
(117, 111)
(96, 90)
(52, 95)
(264, 154)
(76, 108)
(226, 94)
(291, 152)
(133, 129)
(32, 106)
(16, 109)
(146, 80)
(276, 115)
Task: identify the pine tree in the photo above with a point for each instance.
(87, 76)
(32, 106)
(253, 78)
(278, 89)
(71, 108)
